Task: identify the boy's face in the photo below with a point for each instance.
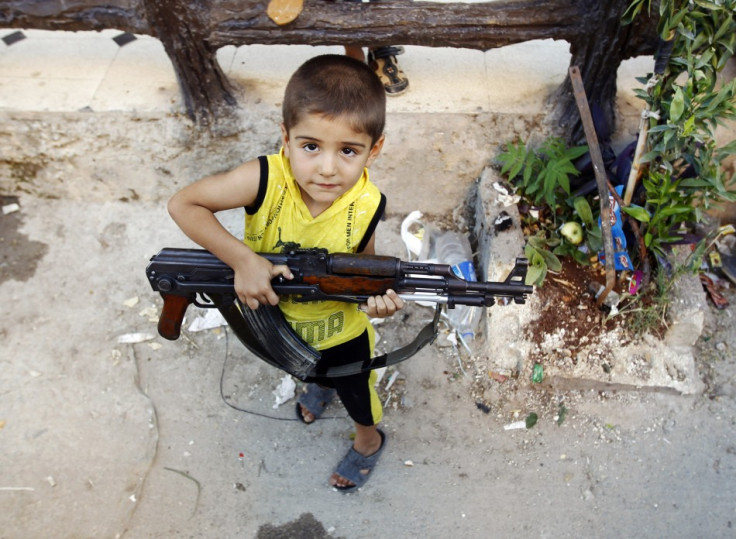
(327, 158)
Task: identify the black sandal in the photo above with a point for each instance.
(315, 399)
(383, 62)
(357, 468)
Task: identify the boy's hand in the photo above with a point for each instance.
(253, 281)
(383, 306)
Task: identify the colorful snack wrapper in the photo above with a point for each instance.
(621, 258)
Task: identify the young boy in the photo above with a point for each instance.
(316, 193)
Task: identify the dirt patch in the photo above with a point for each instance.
(20, 255)
(572, 318)
(305, 527)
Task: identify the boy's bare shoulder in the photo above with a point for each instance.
(248, 171)
(225, 190)
(242, 183)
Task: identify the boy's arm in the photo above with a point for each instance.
(193, 208)
(380, 306)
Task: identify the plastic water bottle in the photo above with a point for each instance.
(453, 248)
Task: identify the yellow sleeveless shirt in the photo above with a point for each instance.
(279, 216)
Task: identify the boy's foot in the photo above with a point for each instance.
(382, 61)
(355, 468)
(312, 403)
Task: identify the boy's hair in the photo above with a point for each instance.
(333, 85)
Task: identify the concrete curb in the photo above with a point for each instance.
(651, 363)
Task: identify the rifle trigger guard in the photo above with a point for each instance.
(203, 302)
(200, 300)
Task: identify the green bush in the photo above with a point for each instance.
(683, 177)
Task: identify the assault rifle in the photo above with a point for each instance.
(186, 276)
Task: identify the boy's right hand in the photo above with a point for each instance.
(253, 280)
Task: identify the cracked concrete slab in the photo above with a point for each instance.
(77, 426)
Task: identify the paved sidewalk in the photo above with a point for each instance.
(113, 71)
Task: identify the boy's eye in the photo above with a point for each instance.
(349, 151)
(310, 147)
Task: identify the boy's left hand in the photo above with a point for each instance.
(383, 306)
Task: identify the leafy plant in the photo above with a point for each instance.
(538, 250)
(544, 174)
(542, 178)
(683, 177)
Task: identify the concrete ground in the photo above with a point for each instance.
(106, 430)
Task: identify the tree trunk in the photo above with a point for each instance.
(599, 53)
(183, 30)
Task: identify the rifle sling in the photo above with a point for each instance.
(425, 336)
(267, 334)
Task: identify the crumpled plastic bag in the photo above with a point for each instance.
(285, 390)
(419, 241)
(417, 237)
(211, 319)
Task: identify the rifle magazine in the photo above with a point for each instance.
(267, 334)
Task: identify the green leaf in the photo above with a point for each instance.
(678, 105)
(553, 263)
(535, 275)
(580, 257)
(725, 28)
(563, 181)
(594, 239)
(575, 152)
(695, 183)
(688, 126)
(582, 208)
(659, 128)
(675, 210)
(648, 157)
(537, 269)
(707, 5)
(528, 168)
(537, 243)
(637, 212)
(513, 159)
(633, 10)
(725, 151)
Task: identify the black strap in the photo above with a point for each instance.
(377, 217)
(425, 336)
(262, 187)
(387, 51)
(267, 334)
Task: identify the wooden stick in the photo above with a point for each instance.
(600, 178)
(635, 171)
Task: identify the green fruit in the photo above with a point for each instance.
(572, 232)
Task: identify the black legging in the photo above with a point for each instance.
(353, 390)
